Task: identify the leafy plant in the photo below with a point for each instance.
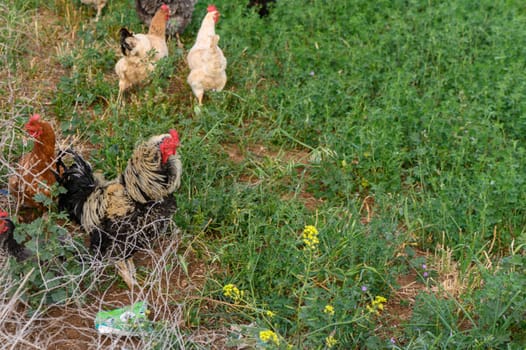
(58, 268)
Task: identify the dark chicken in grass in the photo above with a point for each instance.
(8, 242)
(261, 6)
(124, 215)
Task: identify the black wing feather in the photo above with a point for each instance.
(79, 182)
(126, 48)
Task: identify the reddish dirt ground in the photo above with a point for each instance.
(298, 157)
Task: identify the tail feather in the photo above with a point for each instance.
(126, 47)
(79, 182)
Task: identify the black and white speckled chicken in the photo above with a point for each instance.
(125, 214)
(180, 14)
(7, 240)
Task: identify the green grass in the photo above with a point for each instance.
(418, 105)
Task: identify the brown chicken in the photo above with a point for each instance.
(34, 173)
(180, 14)
(141, 51)
(205, 59)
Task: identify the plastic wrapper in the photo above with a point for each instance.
(126, 321)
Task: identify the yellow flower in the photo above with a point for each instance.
(377, 304)
(310, 236)
(380, 299)
(330, 341)
(270, 313)
(329, 309)
(268, 336)
(231, 291)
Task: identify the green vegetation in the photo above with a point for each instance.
(396, 129)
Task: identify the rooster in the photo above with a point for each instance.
(8, 242)
(123, 215)
(180, 14)
(141, 51)
(35, 169)
(98, 4)
(205, 59)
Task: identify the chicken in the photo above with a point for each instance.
(261, 5)
(8, 242)
(98, 4)
(205, 59)
(141, 51)
(123, 215)
(180, 14)
(35, 169)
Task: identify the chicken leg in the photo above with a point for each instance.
(126, 269)
(198, 92)
(100, 6)
(119, 97)
(179, 42)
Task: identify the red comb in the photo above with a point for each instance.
(211, 8)
(165, 7)
(3, 226)
(169, 146)
(175, 136)
(35, 117)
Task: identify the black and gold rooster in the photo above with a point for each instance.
(125, 214)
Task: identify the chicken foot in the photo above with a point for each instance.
(126, 269)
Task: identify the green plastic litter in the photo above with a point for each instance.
(126, 321)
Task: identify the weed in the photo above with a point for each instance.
(403, 122)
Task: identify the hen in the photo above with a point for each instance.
(205, 59)
(34, 173)
(180, 14)
(98, 4)
(125, 214)
(8, 242)
(261, 6)
(141, 51)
